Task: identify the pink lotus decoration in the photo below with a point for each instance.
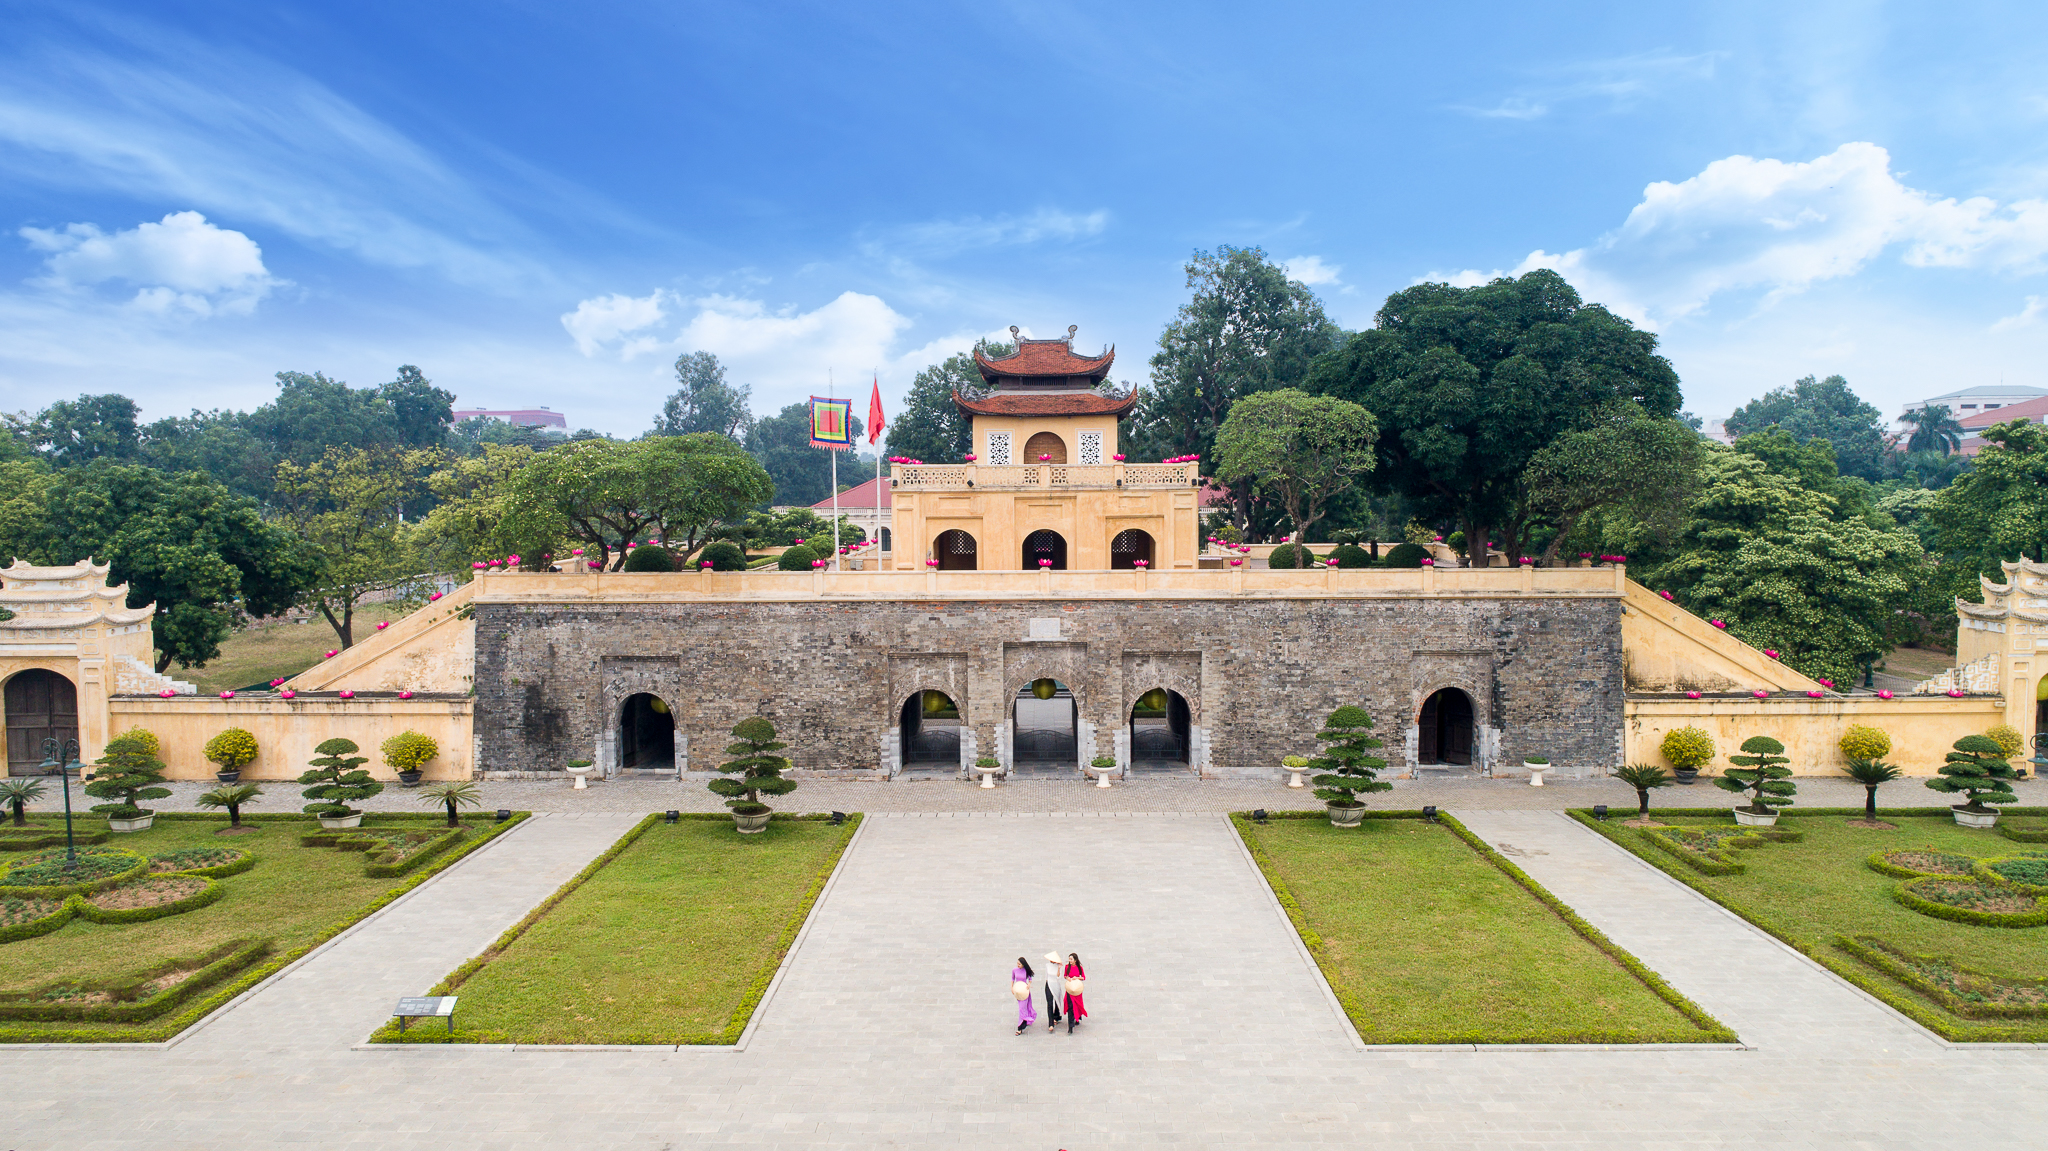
(1718, 624)
(1760, 693)
(546, 556)
(1329, 563)
(433, 597)
(1236, 563)
(1955, 693)
(1585, 555)
(331, 654)
(1667, 595)
(1439, 539)
(1771, 652)
(514, 560)
(817, 563)
(706, 564)
(577, 552)
(167, 693)
(931, 563)
(594, 565)
(382, 624)
(277, 683)
(497, 563)
(797, 544)
(969, 457)
(1825, 682)
(1044, 459)
(348, 695)
(1428, 563)
(1814, 694)
(1527, 560)
(1045, 563)
(1141, 565)
(1119, 457)
(1692, 695)
(479, 565)
(288, 693)
(405, 695)
(1884, 695)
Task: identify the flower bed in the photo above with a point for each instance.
(1914, 863)
(16, 912)
(148, 892)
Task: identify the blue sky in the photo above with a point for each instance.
(546, 203)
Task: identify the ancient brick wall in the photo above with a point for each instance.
(1259, 675)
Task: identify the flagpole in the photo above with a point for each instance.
(872, 433)
(829, 389)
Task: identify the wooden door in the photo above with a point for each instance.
(40, 705)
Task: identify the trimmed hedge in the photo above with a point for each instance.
(1719, 861)
(383, 867)
(1713, 1031)
(1283, 557)
(1404, 555)
(211, 893)
(48, 923)
(1912, 899)
(797, 559)
(218, 964)
(1893, 962)
(243, 861)
(1879, 863)
(724, 556)
(251, 976)
(60, 890)
(389, 1033)
(1351, 556)
(2022, 834)
(649, 558)
(29, 839)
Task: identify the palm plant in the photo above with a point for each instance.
(451, 793)
(1643, 777)
(1870, 773)
(231, 796)
(18, 793)
(1934, 430)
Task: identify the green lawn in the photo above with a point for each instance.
(1813, 892)
(671, 937)
(293, 898)
(1430, 937)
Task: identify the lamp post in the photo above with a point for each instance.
(2040, 760)
(68, 752)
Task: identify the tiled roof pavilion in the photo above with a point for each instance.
(1044, 360)
(1046, 378)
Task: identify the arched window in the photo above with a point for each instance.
(1129, 547)
(955, 551)
(1045, 544)
(887, 544)
(1044, 444)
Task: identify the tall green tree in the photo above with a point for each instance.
(1626, 460)
(420, 412)
(345, 506)
(1934, 430)
(1296, 449)
(469, 519)
(1246, 328)
(603, 493)
(781, 443)
(704, 401)
(1468, 384)
(218, 443)
(931, 426)
(1822, 409)
(88, 429)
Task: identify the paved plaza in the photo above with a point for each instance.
(891, 1024)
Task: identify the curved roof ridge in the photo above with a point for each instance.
(1054, 357)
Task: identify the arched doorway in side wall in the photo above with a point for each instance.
(1130, 546)
(1045, 544)
(1446, 728)
(1159, 732)
(930, 729)
(2040, 709)
(955, 551)
(40, 705)
(1045, 444)
(1044, 729)
(647, 733)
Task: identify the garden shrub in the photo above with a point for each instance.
(1456, 542)
(130, 770)
(759, 768)
(1404, 555)
(1975, 769)
(146, 738)
(1761, 772)
(1348, 763)
(1863, 742)
(409, 751)
(232, 750)
(2007, 738)
(337, 779)
(1283, 557)
(649, 558)
(797, 559)
(1687, 747)
(724, 557)
(1352, 556)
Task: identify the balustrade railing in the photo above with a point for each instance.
(1035, 475)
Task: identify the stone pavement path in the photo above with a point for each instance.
(891, 1029)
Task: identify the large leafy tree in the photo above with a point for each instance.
(1822, 409)
(603, 493)
(801, 473)
(1468, 384)
(469, 519)
(420, 412)
(90, 428)
(1296, 449)
(1997, 510)
(1788, 569)
(932, 427)
(1246, 328)
(313, 413)
(218, 443)
(1626, 460)
(345, 507)
(1934, 430)
(201, 553)
(704, 401)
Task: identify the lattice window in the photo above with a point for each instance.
(999, 449)
(1091, 447)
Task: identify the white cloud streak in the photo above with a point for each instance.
(1311, 270)
(939, 238)
(182, 265)
(1619, 83)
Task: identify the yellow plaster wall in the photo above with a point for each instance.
(1666, 648)
(1976, 639)
(287, 730)
(433, 649)
(1087, 517)
(1022, 428)
(1922, 728)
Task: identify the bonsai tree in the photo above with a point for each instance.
(1347, 762)
(758, 767)
(1761, 772)
(1643, 777)
(409, 751)
(337, 779)
(449, 793)
(231, 796)
(1687, 748)
(1870, 773)
(17, 794)
(1976, 769)
(129, 771)
(232, 750)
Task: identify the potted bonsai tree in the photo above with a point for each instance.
(1761, 773)
(1643, 777)
(449, 793)
(337, 780)
(407, 753)
(1687, 749)
(1976, 769)
(1350, 769)
(129, 771)
(231, 796)
(760, 773)
(231, 751)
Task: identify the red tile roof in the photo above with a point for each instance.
(1048, 404)
(1045, 358)
(2032, 410)
(856, 498)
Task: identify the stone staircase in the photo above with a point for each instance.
(1978, 677)
(134, 677)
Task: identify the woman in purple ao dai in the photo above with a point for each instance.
(1020, 988)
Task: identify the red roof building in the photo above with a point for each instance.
(1046, 378)
(2033, 411)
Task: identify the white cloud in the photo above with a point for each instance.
(1778, 227)
(949, 237)
(2027, 317)
(183, 264)
(604, 320)
(1311, 270)
(1619, 82)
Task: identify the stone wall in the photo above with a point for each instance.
(1258, 674)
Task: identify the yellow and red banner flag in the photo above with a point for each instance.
(831, 424)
